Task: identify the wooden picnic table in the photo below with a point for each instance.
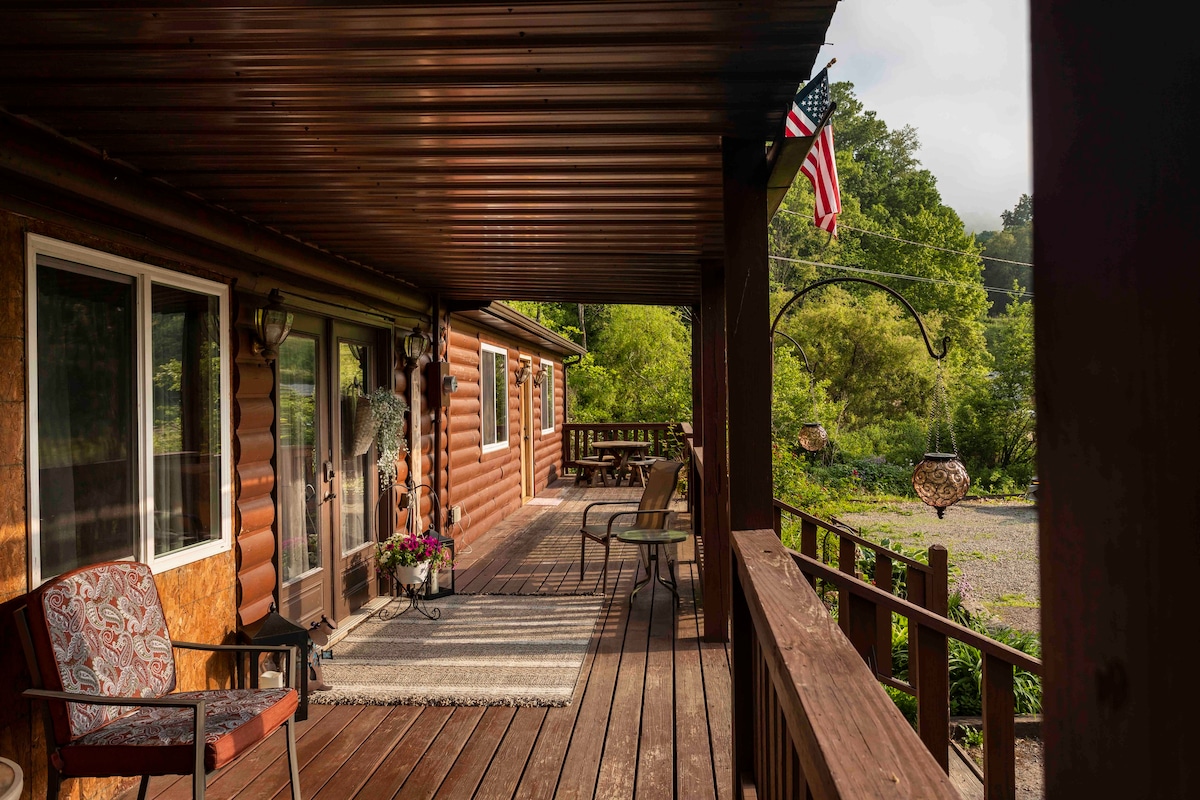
(622, 452)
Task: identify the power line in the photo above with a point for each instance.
(901, 276)
(917, 244)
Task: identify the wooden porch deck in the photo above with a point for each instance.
(650, 716)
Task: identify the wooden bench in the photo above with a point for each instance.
(639, 468)
(589, 469)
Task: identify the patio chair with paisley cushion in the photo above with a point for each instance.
(103, 662)
(651, 513)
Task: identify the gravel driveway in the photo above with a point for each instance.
(993, 543)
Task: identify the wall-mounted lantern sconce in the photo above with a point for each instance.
(523, 373)
(539, 376)
(271, 326)
(415, 345)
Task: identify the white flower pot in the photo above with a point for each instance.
(412, 575)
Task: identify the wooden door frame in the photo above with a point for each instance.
(340, 330)
(316, 328)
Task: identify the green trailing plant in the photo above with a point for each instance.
(388, 411)
(971, 736)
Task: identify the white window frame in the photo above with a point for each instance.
(484, 350)
(144, 277)
(548, 393)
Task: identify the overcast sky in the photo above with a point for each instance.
(958, 72)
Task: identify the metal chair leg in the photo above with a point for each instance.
(143, 786)
(293, 766)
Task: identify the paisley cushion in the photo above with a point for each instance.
(101, 630)
(158, 741)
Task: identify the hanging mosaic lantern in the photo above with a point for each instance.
(940, 480)
(813, 436)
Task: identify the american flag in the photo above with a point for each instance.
(820, 168)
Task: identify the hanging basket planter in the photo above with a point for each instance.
(941, 480)
(364, 427)
(813, 436)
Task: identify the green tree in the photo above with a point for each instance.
(1014, 243)
(996, 420)
(638, 368)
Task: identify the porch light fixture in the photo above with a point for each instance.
(415, 345)
(271, 326)
(523, 373)
(539, 376)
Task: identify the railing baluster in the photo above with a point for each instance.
(999, 730)
(929, 662)
(939, 581)
(847, 555)
(883, 617)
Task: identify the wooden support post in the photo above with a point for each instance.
(748, 333)
(1115, 340)
(714, 504)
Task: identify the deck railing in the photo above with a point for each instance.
(665, 437)
(809, 717)
(926, 585)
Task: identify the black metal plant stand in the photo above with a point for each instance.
(416, 594)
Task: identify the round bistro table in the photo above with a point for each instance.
(654, 541)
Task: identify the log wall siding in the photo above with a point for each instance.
(254, 511)
(487, 486)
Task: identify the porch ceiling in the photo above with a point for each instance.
(553, 150)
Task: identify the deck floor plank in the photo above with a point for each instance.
(589, 707)
(656, 747)
(694, 765)
(354, 771)
(404, 757)
(477, 753)
(618, 766)
(504, 773)
(333, 756)
(270, 777)
(426, 778)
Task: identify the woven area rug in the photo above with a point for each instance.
(485, 650)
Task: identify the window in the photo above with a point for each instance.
(493, 394)
(548, 398)
(127, 371)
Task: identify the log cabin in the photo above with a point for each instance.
(163, 167)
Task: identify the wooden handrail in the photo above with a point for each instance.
(803, 695)
(812, 566)
(845, 533)
(864, 613)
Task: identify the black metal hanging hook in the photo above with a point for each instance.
(800, 294)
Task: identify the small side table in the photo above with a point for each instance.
(653, 541)
(11, 780)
